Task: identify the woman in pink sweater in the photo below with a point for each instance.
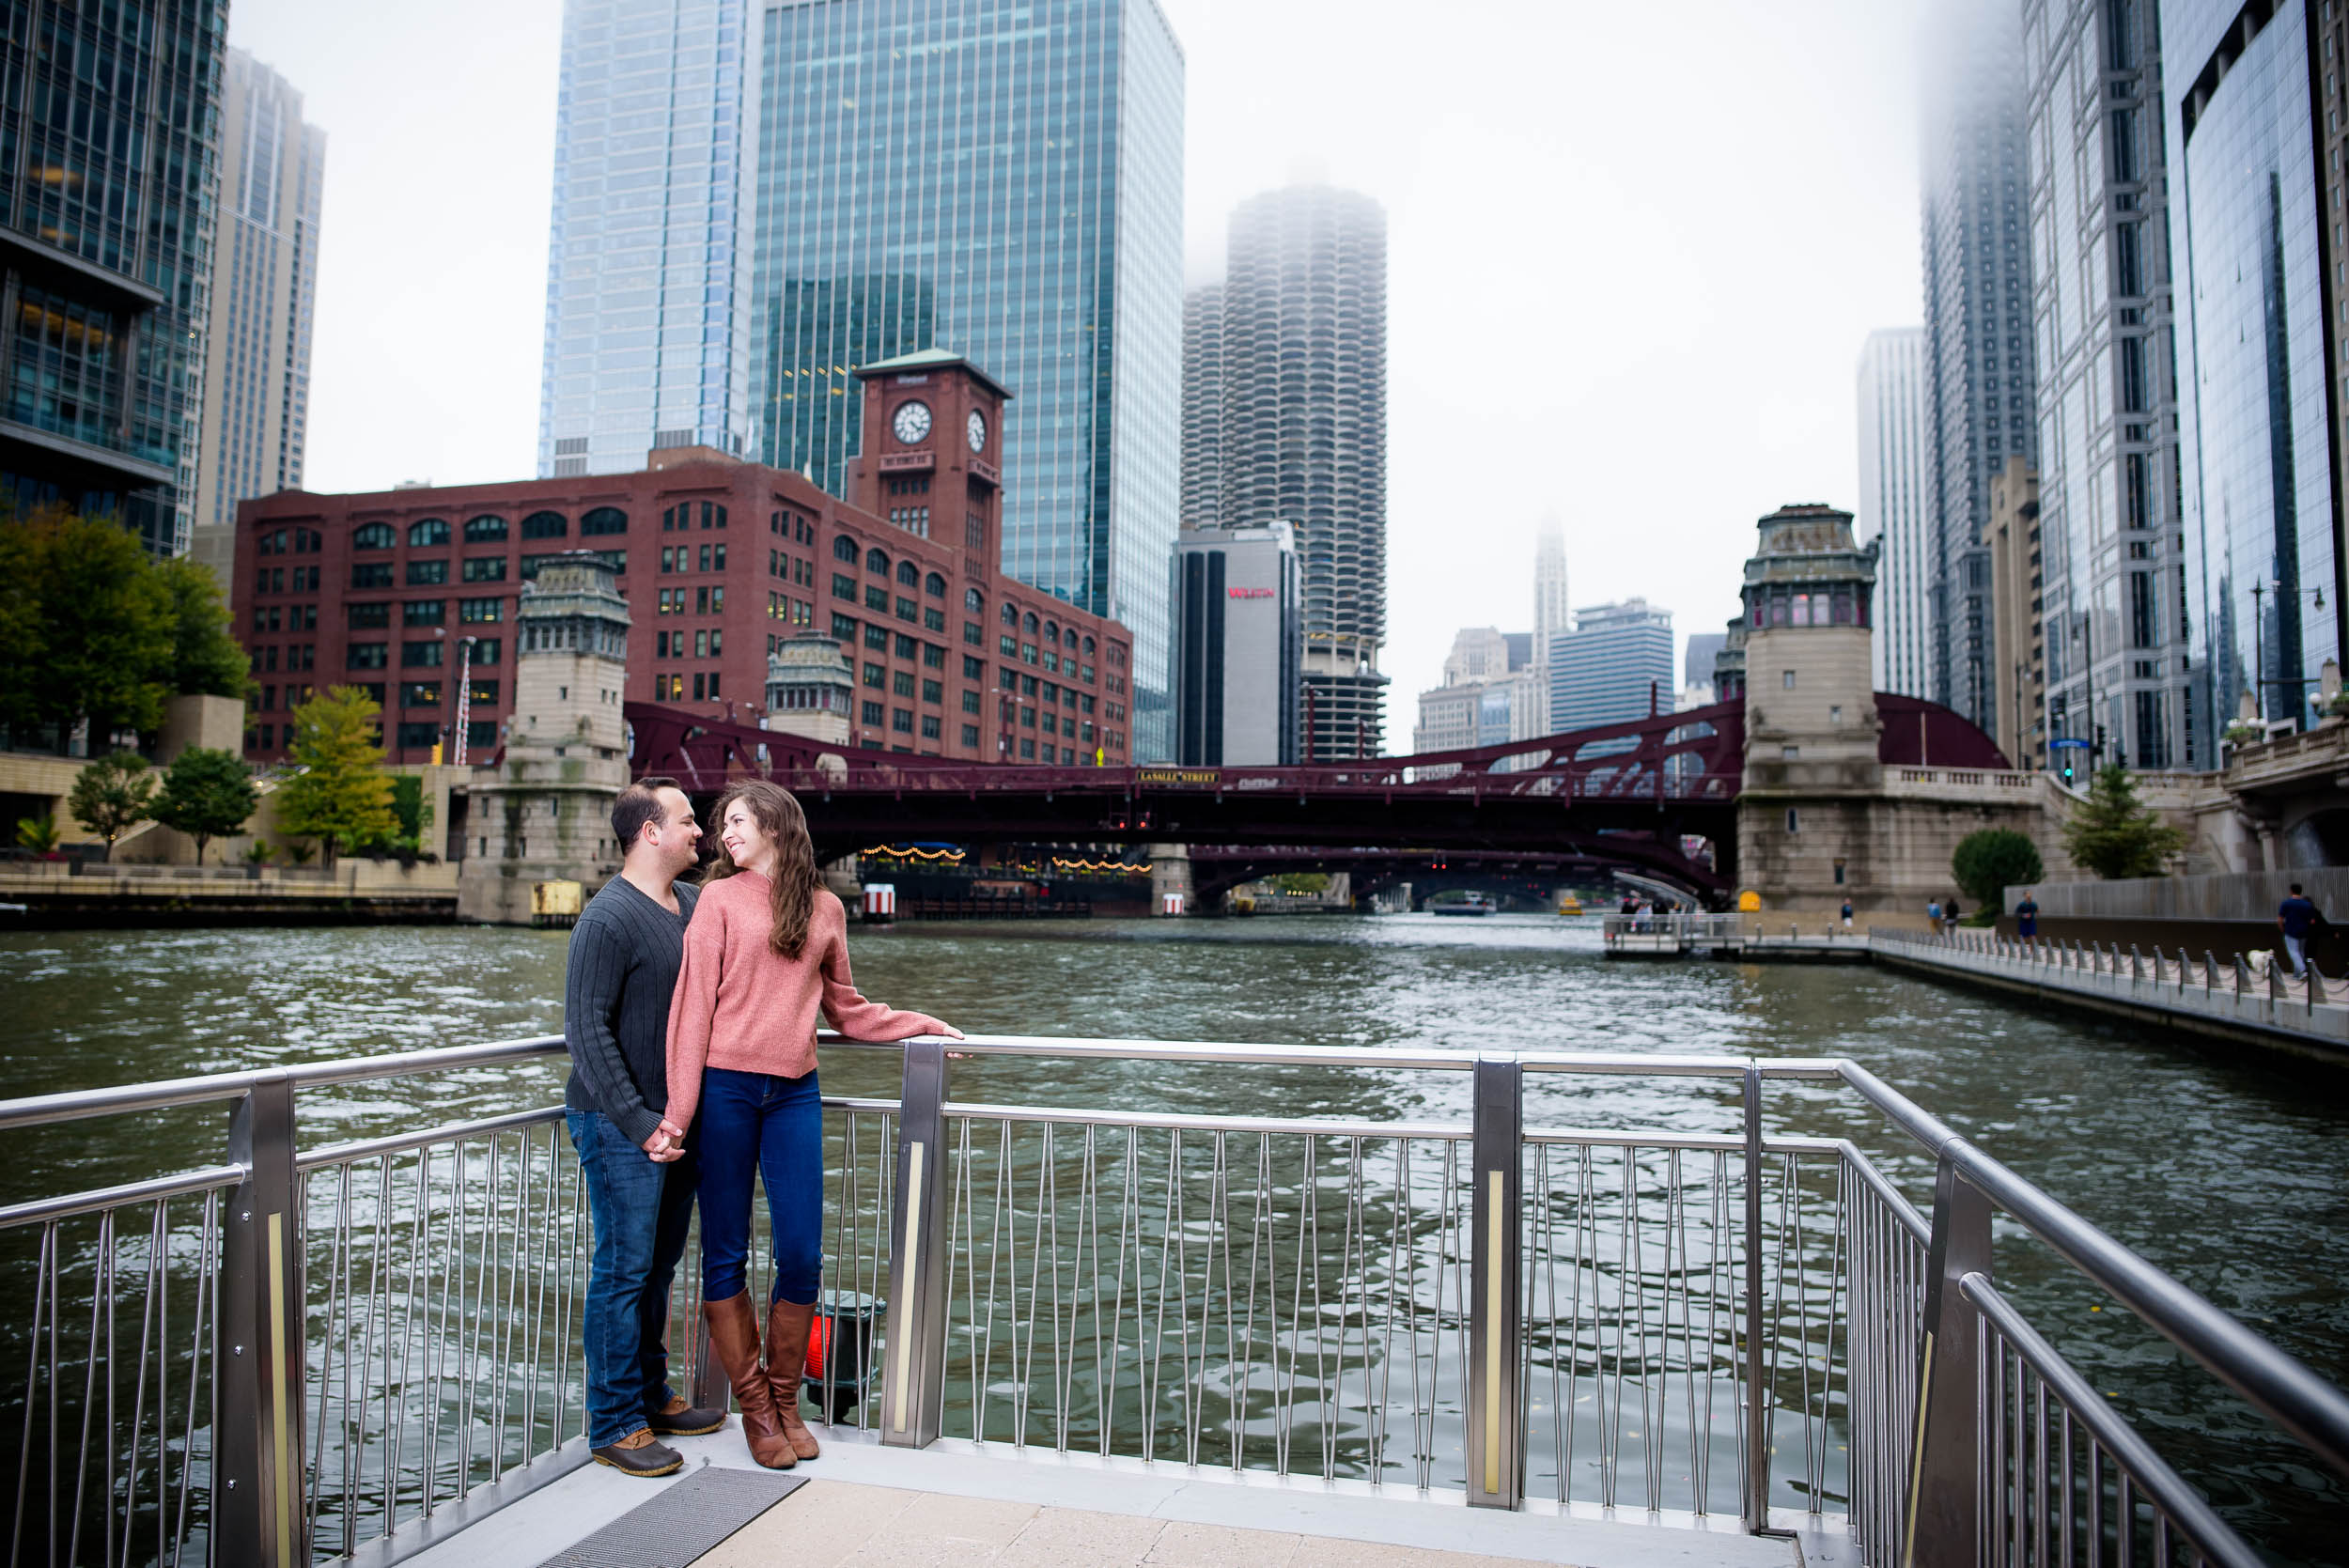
(767, 947)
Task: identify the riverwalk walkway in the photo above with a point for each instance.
(964, 1504)
(2181, 990)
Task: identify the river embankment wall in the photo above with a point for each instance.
(2225, 915)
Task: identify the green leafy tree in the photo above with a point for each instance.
(40, 834)
(113, 795)
(1993, 858)
(105, 630)
(206, 795)
(2113, 835)
(205, 657)
(341, 796)
(93, 630)
(260, 851)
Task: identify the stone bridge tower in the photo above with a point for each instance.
(544, 814)
(1806, 836)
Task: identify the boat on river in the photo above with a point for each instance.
(1569, 904)
(1472, 904)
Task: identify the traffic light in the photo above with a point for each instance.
(2100, 740)
(2067, 769)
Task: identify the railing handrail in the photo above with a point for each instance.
(2216, 1540)
(74, 1105)
(2288, 1391)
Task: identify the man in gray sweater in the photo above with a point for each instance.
(623, 960)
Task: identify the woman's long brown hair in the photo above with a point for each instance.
(796, 878)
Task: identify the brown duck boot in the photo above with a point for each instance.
(734, 1335)
(787, 1326)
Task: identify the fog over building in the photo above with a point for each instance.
(1301, 413)
(1979, 376)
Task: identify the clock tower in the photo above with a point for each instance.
(932, 458)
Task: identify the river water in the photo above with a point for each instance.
(2222, 1165)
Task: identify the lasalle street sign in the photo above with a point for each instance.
(1183, 778)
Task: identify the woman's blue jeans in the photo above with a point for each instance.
(754, 1123)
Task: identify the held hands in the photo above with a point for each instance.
(667, 1143)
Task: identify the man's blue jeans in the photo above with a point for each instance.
(756, 1123)
(641, 1211)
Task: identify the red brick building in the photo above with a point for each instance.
(719, 560)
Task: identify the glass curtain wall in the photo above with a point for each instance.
(647, 330)
(2259, 485)
(1003, 180)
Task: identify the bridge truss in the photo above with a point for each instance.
(1626, 793)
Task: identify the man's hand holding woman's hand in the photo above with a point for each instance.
(667, 1143)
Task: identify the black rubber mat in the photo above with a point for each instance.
(672, 1527)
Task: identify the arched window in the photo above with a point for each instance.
(373, 535)
(1027, 623)
(1011, 614)
(1052, 633)
(603, 520)
(484, 529)
(934, 585)
(844, 548)
(908, 573)
(876, 563)
(425, 532)
(1088, 648)
(545, 525)
(973, 601)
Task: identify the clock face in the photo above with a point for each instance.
(913, 422)
(974, 429)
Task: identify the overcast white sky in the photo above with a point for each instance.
(1633, 251)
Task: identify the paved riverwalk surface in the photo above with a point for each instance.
(959, 1504)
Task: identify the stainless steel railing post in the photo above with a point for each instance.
(914, 1379)
(259, 1511)
(1944, 1478)
(1496, 1445)
(1755, 1508)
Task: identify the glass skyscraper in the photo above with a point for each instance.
(2261, 508)
(648, 329)
(1979, 379)
(256, 381)
(109, 148)
(1615, 665)
(1002, 179)
(2110, 539)
(1896, 506)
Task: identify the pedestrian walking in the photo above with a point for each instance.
(1846, 914)
(1933, 914)
(2027, 917)
(1948, 913)
(623, 967)
(767, 949)
(2296, 917)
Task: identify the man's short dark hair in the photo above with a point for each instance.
(638, 804)
(2296, 890)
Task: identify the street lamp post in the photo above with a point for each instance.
(464, 694)
(2261, 679)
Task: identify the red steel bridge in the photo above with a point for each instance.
(1615, 795)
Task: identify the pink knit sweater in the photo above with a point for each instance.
(742, 1005)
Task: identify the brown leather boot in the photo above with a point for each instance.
(734, 1335)
(787, 1326)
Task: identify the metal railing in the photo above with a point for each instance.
(2188, 987)
(355, 1350)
